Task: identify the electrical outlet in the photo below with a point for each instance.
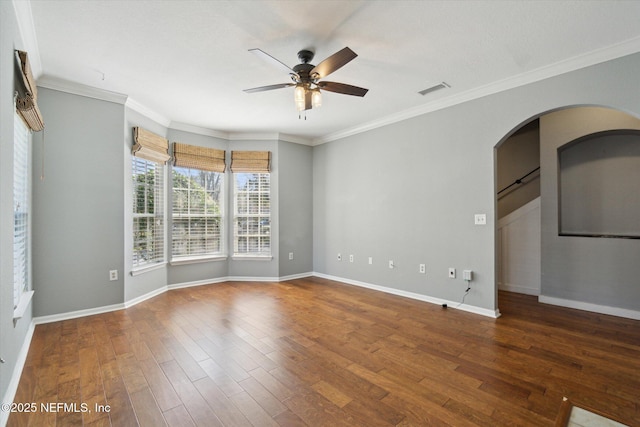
(290, 256)
(339, 257)
(452, 273)
(370, 260)
(480, 219)
(391, 264)
(422, 268)
(351, 258)
(113, 275)
(467, 275)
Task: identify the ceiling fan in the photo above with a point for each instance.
(306, 77)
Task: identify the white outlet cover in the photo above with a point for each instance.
(452, 273)
(480, 219)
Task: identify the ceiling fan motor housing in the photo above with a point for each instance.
(305, 56)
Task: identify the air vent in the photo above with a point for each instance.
(434, 88)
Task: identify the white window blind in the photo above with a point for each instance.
(20, 209)
(148, 212)
(197, 213)
(252, 214)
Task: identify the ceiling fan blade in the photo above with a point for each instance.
(343, 88)
(333, 62)
(273, 61)
(271, 87)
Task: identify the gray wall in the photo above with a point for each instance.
(593, 270)
(78, 210)
(516, 157)
(598, 185)
(12, 335)
(416, 185)
(296, 208)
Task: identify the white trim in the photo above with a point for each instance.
(141, 298)
(295, 276)
(74, 88)
(25, 299)
(451, 304)
(251, 258)
(198, 283)
(148, 112)
(586, 306)
(608, 53)
(147, 268)
(27, 29)
(520, 212)
(509, 287)
(252, 279)
(12, 387)
(196, 260)
(269, 136)
(185, 127)
(79, 313)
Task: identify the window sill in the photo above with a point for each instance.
(252, 258)
(148, 268)
(194, 260)
(25, 299)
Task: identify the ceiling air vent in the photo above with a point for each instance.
(434, 88)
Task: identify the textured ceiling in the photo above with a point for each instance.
(188, 61)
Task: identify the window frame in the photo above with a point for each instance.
(158, 235)
(21, 206)
(259, 214)
(199, 256)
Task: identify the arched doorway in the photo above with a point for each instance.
(578, 272)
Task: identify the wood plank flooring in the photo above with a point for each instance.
(312, 352)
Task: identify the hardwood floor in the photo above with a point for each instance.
(315, 352)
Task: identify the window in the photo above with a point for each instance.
(21, 225)
(197, 213)
(252, 215)
(148, 212)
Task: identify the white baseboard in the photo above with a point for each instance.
(586, 306)
(10, 394)
(518, 289)
(145, 297)
(295, 276)
(451, 304)
(79, 313)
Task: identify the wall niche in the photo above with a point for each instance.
(599, 185)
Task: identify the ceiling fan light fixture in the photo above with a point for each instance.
(299, 96)
(316, 98)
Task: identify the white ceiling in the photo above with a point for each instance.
(188, 61)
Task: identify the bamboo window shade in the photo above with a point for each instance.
(251, 161)
(149, 146)
(203, 158)
(26, 102)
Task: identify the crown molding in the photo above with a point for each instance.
(269, 136)
(595, 57)
(27, 29)
(148, 112)
(26, 26)
(185, 127)
(67, 86)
